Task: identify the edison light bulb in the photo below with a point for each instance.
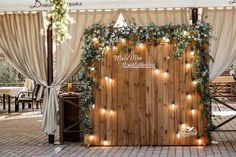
(189, 96)
(103, 110)
(178, 135)
(91, 137)
(192, 53)
(95, 40)
(188, 65)
(93, 106)
(199, 141)
(123, 41)
(107, 48)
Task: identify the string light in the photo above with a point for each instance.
(110, 79)
(105, 142)
(111, 112)
(189, 96)
(141, 45)
(177, 134)
(92, 69)
(183, 125)
(193, 111)
(167, 58)
(91, 137)
(194, 82)
(199, 141)
(157, 69)
(95, 40)
(166, 73)
(185, 33)
(192, 53)
(114, 48)
(93, 106)
(123, 41)
(173, 105)
(103, 109)
(107, 48)
(166, 39)
(188, 65)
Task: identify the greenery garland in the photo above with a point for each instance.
(180, 35)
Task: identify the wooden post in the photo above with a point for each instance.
(9, 103)
(194, 15)
(3, 101)
(51, 138)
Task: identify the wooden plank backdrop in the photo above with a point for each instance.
(138, 101)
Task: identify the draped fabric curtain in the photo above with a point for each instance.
(23, 45)
(223, 45)
(156, 16)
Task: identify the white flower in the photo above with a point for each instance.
(59, 13)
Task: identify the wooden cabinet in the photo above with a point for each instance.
(69, 117)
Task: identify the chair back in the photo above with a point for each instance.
(35, 91)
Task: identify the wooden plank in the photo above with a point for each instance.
(166, 78)
(120, 110)
(188, 85)
(148, 107)
(171, 99)
(103, 101)
(160, 98)
(131, 106)
(153, 116)
(142, 101)
(125, 106)
(183, 96)
(155, 80)
(177, 100)
(96, 114)
(115, 88)
(137, 95)
(109, 88)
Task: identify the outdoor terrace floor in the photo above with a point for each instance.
(21, 136)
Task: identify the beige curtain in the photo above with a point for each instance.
(159, 17)
(223, 45)
(23, 45)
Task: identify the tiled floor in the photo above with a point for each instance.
(21, 136)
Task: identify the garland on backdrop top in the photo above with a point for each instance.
(98, 38)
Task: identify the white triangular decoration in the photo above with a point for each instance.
(120, 22)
